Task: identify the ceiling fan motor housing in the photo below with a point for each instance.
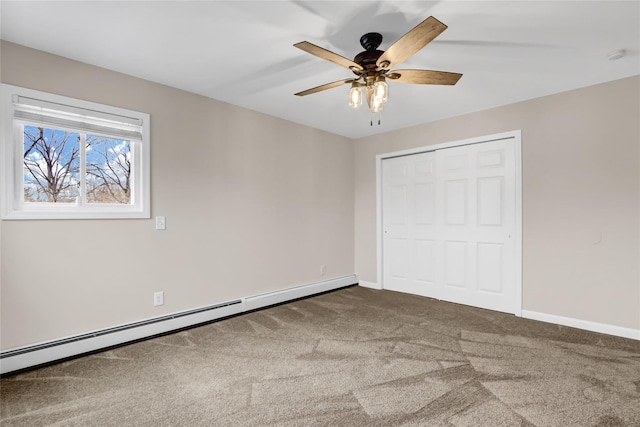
(371, 41)
(368, 58)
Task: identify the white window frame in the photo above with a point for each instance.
(12, 205)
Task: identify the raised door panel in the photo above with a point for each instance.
(455, 202)
(424, 260)
(398, 204)
(490, 265)
(399, 266)
(455, 264)
(424, 203)
(490, 199)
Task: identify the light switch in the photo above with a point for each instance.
(161, 223)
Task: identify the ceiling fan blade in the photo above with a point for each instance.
(325, 87)
(424, 77)
(411, 42)
(328, 55)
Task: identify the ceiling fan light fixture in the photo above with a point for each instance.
(381, 89)
(376, 104)
(372, 65)
(355, 95)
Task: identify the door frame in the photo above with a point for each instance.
(516, 137)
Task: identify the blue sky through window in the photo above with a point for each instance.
(52, 167)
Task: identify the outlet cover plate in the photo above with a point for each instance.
(158, 298)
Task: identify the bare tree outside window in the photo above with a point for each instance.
(108, 175)
(51, 165)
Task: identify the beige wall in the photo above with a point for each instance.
(256, 204)
(253, 204)
(581, 180)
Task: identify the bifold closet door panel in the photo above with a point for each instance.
(409, 224)
(476, 225)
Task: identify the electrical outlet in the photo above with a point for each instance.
(158, 298)
(323, 270)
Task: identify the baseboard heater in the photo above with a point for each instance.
(18, 359)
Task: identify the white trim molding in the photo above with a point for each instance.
(586, 325)
(371, 285)
(30, 356)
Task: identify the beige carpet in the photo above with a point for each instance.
(353, 357)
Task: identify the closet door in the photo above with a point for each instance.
(409, 224)
(448, 222)
(476, 225)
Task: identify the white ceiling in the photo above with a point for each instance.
(241, 52)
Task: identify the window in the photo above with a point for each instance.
(64, 158)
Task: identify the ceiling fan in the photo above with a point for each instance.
(372, 66)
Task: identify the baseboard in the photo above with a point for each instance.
(289, 294)
(602, 328)
(18, 359)
(371, 285)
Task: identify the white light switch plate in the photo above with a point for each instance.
(161, 223)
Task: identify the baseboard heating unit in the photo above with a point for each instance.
(30, 356)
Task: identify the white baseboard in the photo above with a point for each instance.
(371, 285)
(277, 297)
(37, 354)
(602, 328)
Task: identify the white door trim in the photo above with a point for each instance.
(516, 136)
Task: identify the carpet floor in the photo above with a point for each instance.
(352, 357)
